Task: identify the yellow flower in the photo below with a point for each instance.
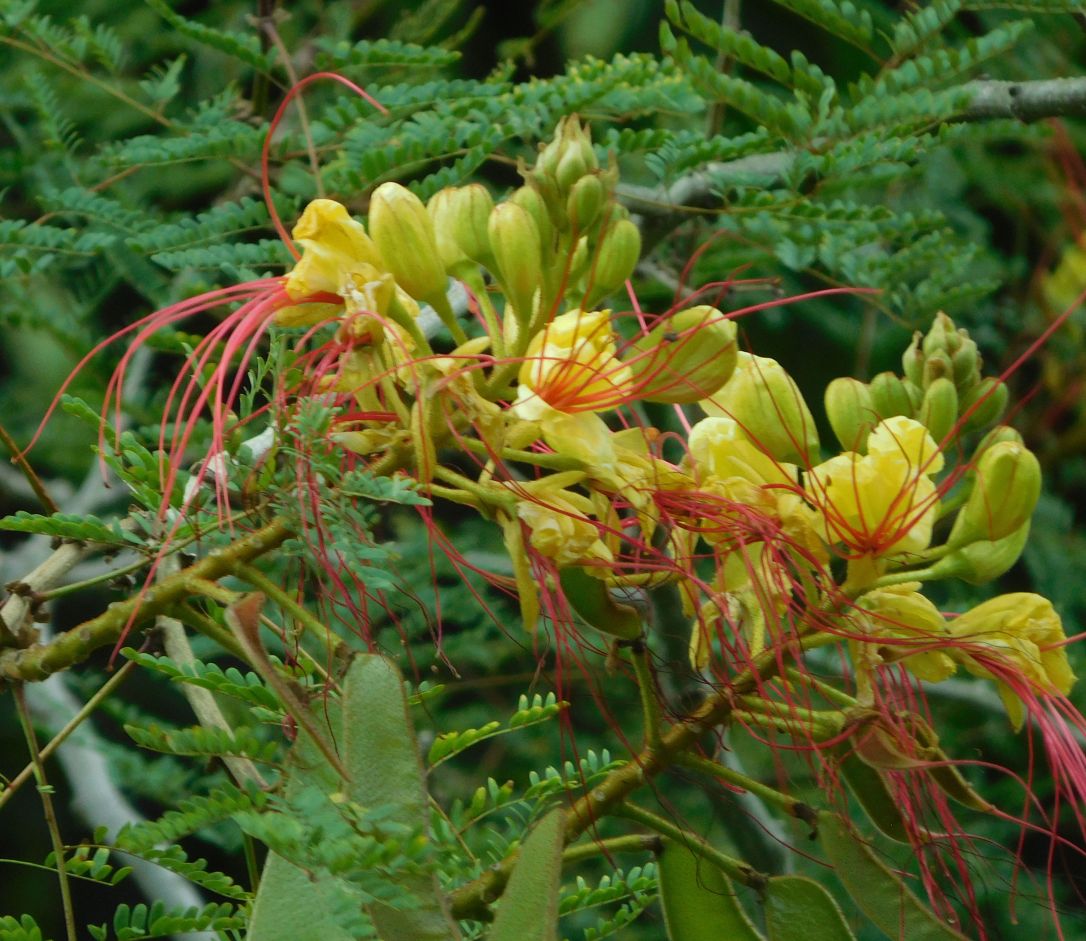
(557, 519)
(719, 449)
(333, 245)
(901, 612)
(1020, 632)
(884, 502)
(572, 366)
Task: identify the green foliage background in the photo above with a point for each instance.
(130, 138)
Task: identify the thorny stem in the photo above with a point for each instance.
(472, 900)
(47, 809)
(734, 868)
(38, 661)
(104, 691)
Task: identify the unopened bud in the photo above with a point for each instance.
(912, 363)
(990, 398)
(1004, 495)
(851, 411)
(891, 396)
(939, 410)
(460, 215)
(515, 241)
(569, 156)
(618, 252)
(997, 434)
(984, 560)
(942, 337)
(767, 404)
(402, 229)
(966, 362)
(937, 365)
(585, 201)
(529, 199)
(685, 358)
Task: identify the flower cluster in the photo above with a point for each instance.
(542, 391)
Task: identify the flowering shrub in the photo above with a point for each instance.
(530, 407)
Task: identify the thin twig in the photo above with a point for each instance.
(50, 815)
(32, 478)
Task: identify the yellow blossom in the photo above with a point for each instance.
(884, 502)
(558, 525)
(901, 612)
(333, 244)
(1023, 633)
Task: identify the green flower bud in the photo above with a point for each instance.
(912, 363)
(984, 560)
(617, 254)
(966, 363)
(851, 411)
(684, 358)
(402, 230)
(767, 405)
(515, 242)
(529, 199)
(569, 156)
(1004, 495)
(939, 410)
(992, 396)
(460, 215)
(997, 434)
(942, 336)
(891, 396)
(937, 365)
(586, 199)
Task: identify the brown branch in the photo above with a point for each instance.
(38, 661)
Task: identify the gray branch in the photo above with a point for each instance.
(662, 208)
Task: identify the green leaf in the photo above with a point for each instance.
(799, 909)
(528, 910)
(289, 906)
(877, 892)
(381, 755)
(698, 899)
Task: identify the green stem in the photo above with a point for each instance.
(475, 284)
(29, 473)
(631, 843)
(445, 312)
(41, 660)
(105, 690)
(789, 805)
(829, 693)
(734, 868)
(651, 715)
(50, 815)
(309, 622)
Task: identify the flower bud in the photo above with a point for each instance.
(569, 156)
(939, 409)
(912, 362)
(891, 396)
(992, 395)
(529, 199)
(618, 251)
(685, 357)
(997, 434)
(942, 336)
(402, 229)
(767, 404)
(333, 243)
(585, 201)
(966, 363)
(851, 411)
(937, 365)
(984, 560)
(1004, 495)
(515, 241)
(460, 215)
